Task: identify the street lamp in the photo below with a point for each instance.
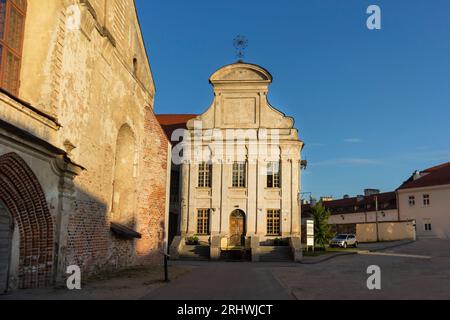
(376, 213)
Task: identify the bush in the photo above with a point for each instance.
(192, 241)
(322, 229)
(280, 242)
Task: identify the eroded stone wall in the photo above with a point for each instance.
(85, 64)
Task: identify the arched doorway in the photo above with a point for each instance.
(237, 228)
(23, 197)
(6, 231)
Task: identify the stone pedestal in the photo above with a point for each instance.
(296, 249)
(254, 247)
(216, 248)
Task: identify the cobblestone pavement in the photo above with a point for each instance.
(419, 270)
(132, 284)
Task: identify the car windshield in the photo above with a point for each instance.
(341, 237)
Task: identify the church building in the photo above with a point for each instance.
(237, 179)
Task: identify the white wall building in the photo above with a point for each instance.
(241, 166)
(425, 198)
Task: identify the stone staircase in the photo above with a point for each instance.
(195, 253)
(275, 254)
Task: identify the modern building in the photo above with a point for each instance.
(425, 198)
(240, 166)
(84, 164)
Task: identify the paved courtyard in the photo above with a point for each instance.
(419, 270)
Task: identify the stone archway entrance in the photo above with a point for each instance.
(24, 198)
(237, 229)
(6, 231)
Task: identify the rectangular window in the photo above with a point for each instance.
(273, 175)
(174, 187)
(239, 174)
(274, 223)
(203, 222)
(204, 175)
(426, 200)
(428, 225)
(12, 22)
(412, 201)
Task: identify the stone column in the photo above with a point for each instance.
(192, 207)
(252, 194)
(66, 196)
(286, 197)
(296, 214)
(185, 177)
(216, 194)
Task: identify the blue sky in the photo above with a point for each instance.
(372, 106)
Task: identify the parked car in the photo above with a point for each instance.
(344, 241)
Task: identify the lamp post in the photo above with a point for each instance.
(376, 213)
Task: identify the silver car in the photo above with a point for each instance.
(344, 241)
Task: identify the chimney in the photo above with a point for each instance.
(417, 175)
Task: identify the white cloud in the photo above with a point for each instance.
(316, 144)
(347, 161)
(353, 140)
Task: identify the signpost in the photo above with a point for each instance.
(310, 243)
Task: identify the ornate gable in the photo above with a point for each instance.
(241, 72)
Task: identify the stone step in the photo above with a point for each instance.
(195, 253)
(275, 254)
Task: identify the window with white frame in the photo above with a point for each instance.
(412, 201)
(426, 200)
(204, 175)
(428, 225)
(273, 175)
(274, 222)
(239, 174)
(203, 219)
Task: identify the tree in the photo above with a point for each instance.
(322, 229)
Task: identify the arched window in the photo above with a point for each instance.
(125, 172)
(12, 24)
(135, 67)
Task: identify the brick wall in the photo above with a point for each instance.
(91, 245)
(152, 190)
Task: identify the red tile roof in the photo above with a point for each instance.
(386, 201)
(172, 122)
(435, 176)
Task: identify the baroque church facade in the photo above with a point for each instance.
(84, 163)
(238, 172)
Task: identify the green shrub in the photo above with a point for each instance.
(192, 241)
(280, 242)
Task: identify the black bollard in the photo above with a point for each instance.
(166, 268)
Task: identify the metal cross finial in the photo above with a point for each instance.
(240, 44)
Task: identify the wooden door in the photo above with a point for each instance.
(237, 228)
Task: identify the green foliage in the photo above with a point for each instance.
(192, 241)
(280, 242)
(322, 229)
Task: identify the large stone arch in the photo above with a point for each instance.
(24, 198)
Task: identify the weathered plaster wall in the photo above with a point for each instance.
(85, 64)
